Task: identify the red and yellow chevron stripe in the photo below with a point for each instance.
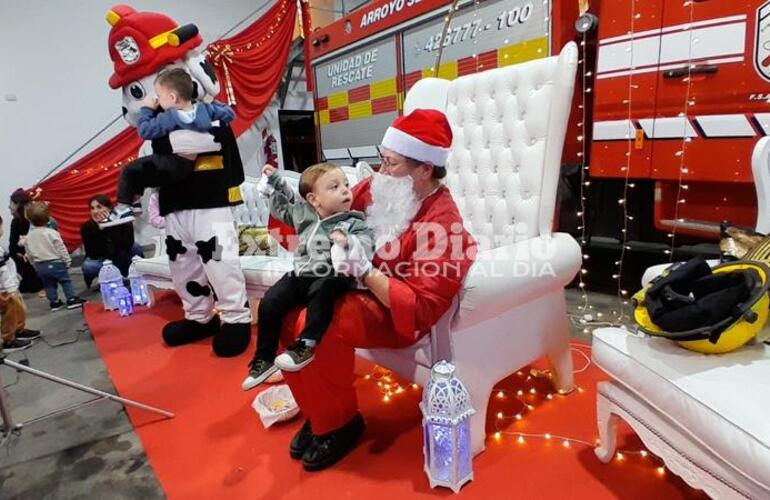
(385, 96)
(360, 102)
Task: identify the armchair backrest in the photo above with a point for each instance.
(760, 168)
(509, 126)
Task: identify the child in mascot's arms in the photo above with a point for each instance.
(175, 93)
(323, 220)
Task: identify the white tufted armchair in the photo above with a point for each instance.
(509, 126)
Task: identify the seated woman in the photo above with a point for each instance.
(114, 243)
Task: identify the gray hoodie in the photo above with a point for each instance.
(313, 254)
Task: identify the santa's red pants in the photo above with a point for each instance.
(324, 388)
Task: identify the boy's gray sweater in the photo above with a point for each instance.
(313, 254)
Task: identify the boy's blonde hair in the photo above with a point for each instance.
(38, 213)
(311, 175)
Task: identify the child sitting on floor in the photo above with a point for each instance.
(321, 218)
(175, 93)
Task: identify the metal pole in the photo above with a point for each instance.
(6, 414)
(83, 388)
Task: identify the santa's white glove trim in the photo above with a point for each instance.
(352, 261)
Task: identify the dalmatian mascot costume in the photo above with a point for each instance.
(201, 241)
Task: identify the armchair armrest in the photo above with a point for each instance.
(509, 276)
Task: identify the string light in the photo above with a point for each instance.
(626, 169)
(384, 377)
(682, 153)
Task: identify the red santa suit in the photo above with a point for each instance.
(421, 290)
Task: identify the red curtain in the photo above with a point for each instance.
(69, 190)
(249, 66)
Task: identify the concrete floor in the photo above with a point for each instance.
(93, 452)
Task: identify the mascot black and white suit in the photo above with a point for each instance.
(201, 240)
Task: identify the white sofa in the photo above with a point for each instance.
(706, 416)
(509, 126)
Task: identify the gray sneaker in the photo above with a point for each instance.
(295, 357)
(259, 371)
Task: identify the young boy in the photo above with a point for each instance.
(175, 93)
(322, 217)
(13, 312)
(46, 251)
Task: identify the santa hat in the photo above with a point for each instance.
(423, 134)
(141, 43)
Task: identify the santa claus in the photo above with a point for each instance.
(411, 281)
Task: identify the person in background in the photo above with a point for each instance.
(13, 312)
(114, 243)
(30, 282)
(46, 251)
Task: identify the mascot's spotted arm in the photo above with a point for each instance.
(201, 240)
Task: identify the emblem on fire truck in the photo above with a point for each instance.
(762, 41)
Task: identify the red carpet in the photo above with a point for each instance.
(216, 446)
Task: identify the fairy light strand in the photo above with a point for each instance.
(685, 138)
(584, 182)
(623, 202)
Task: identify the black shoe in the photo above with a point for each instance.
(27, 334)
(301, 441)
(259, 371)
(232, 339)
(75, 303)
(56, 305)
(186, 331)
(16, 345)
(295, 357)
(330, 448)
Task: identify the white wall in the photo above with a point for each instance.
(54, 67)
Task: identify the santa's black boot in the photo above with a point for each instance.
(186, 331)
(232, 339)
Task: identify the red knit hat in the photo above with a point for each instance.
(423, 134)
(140, 43)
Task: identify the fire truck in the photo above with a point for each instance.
(671, 96)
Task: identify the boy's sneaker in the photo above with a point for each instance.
(118, 215)
(75, 302)
(295, 357)
(136, 208)
(27, 334)
(261, 371)
(56, 305)
(16, 345)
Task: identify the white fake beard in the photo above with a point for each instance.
(394, 205)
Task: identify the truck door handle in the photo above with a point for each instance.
(700, 69)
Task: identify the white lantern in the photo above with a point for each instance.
(446, 411)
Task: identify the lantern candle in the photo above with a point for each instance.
(446, 410)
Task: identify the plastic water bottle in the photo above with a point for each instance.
(139, 292)
(109, 280)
